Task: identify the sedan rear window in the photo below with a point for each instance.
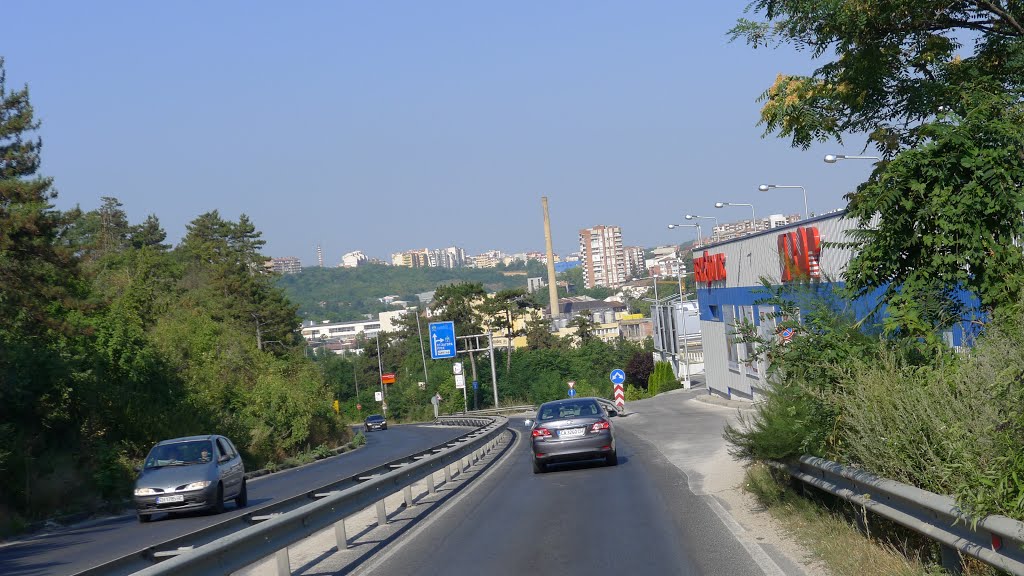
(569, 410)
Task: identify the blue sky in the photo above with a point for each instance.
(386, 126)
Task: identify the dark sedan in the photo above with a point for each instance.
(375, 422)
(572, 429)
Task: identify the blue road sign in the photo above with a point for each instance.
(475, 384)
(572, 392)
(442, 340)
(618, 376)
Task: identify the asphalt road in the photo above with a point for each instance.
(639, 517)
(74, 549)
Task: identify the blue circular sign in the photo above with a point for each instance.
(617, 376)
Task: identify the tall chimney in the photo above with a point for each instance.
(552, 288)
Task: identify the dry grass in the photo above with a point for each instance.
(834, 537)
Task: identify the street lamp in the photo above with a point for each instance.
(714, 231)
(767, 187)
(700, 234)
(753, 219)
(682, 314)
(833, 158)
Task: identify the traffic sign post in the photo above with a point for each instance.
(460, 382)
(618, 378)
(442, 340)
(572, 388)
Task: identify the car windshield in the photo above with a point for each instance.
(375, 418)
(569, 410)
(180, 454)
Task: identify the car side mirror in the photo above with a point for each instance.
(137, 468)
(224, 458)
(612, 412)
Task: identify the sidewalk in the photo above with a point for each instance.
(686, 428)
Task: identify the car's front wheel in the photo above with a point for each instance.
(243, 496)
(144, 518)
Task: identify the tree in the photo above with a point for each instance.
(585, 328)
(949, 218)
(504, 308)
(947, 119)
(896, 64)
(639, 368)
(459, 304)
(539, 335)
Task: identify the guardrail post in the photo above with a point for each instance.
(339, 534)
(951, 560)
(382, 517)
(430, 484)
(284, 567)
(447, 473)
(462, 465)
(408, 496)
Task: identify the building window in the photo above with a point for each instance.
(372, 327)
(729, 317)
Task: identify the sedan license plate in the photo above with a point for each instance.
(169, 499)
(571, 433)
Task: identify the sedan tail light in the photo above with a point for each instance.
(601, 424)
(541, 433)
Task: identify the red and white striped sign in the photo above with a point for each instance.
(620, 396)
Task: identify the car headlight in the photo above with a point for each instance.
(197, 485)
(144, 491)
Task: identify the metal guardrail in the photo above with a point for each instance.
(996, 540)
(236, 543)
(496, 411)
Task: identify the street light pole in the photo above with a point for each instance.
(423, 354)
(686, 335)
(753, 219)
(380, 371)
(713, 230)
(767, 187)
(833, 158)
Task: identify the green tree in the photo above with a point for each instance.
(503, 308)
(893, 65)
(585, 328)
(948, 218)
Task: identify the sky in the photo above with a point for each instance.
(396, 125)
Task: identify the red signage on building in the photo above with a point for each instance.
(387, 378)
(799, 253)
(709, 268)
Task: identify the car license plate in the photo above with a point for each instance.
(169, 499)
(570, 433)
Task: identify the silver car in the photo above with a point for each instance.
(572, 429)
(193, 473)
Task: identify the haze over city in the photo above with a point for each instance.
(388, 127)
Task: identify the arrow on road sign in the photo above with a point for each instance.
(618, 376)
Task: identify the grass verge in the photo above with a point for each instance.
(831, 529)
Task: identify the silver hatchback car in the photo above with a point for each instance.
(193, 473)
(572, 429)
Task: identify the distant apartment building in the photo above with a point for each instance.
(635, 264)
(732, 230)
(488, 259)
(664, 261)
(604, 261)
(284, 265)
(451, 257)
(353, 259)
(535, 284)
(411, 258)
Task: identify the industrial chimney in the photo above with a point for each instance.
(552, 288)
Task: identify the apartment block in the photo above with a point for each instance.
(284, 265)
(604, 260)
(635, 265)
(353, 259)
